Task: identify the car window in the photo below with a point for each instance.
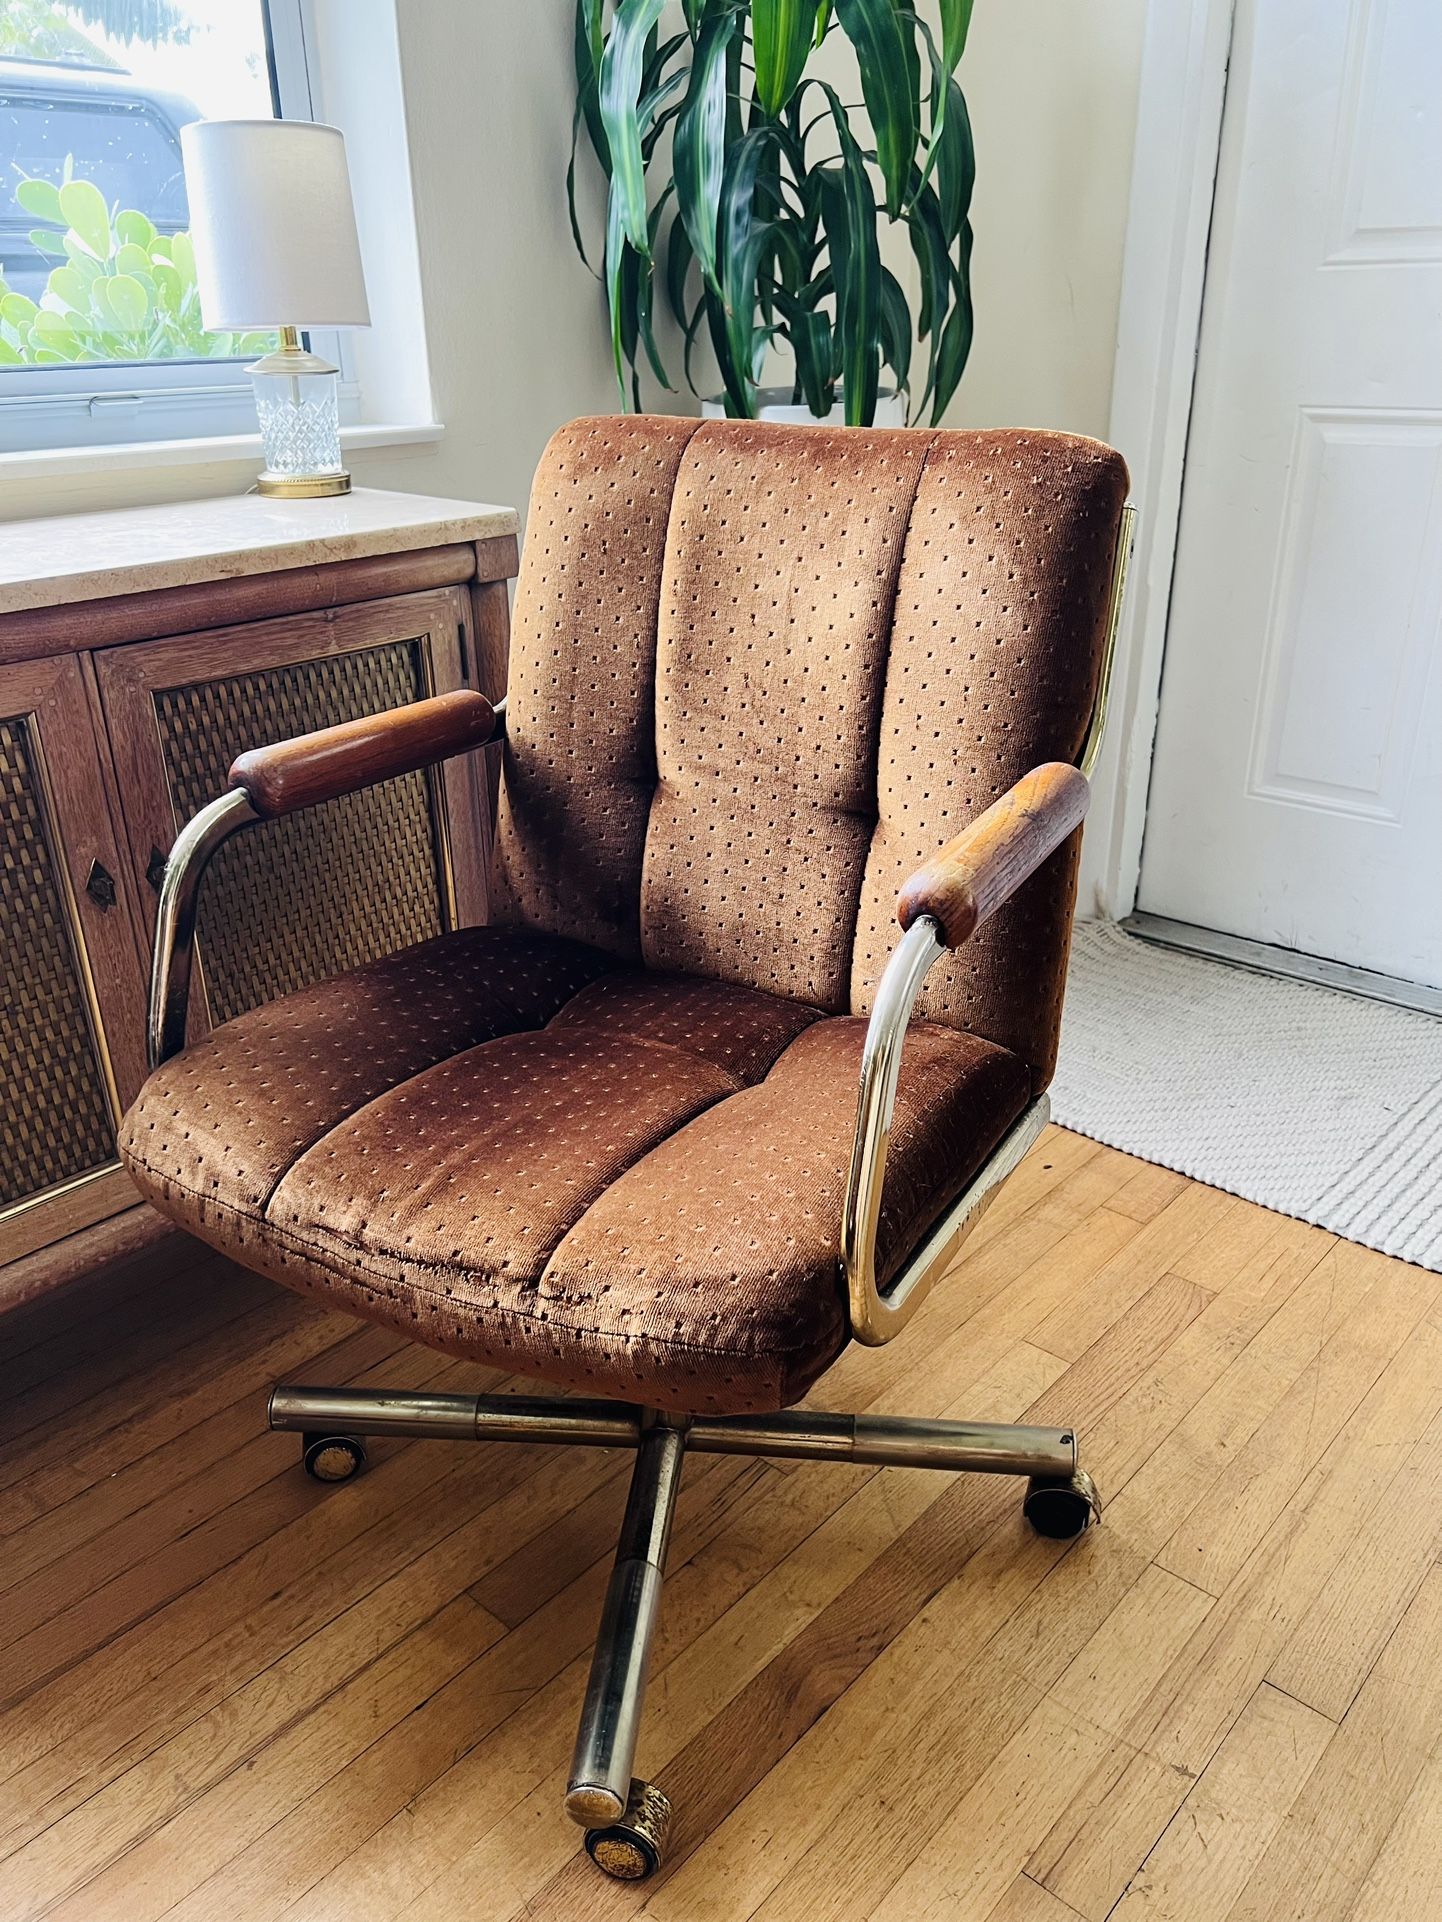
(120, 144)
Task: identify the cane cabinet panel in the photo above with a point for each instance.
(71, 984)
(292, 901)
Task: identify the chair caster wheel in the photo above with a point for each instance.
(633, 1848)
(332, 1458)
(1061, 1506)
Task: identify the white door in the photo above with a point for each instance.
(1296, 792)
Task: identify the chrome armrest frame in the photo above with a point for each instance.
(190, 855)
(876, 1317)
(185, 868)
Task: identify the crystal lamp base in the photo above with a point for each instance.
(299, 428)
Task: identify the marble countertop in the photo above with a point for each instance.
(64, 558)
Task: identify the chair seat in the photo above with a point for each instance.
(514, 1150)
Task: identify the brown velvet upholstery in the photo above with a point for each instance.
(641, 1198)
(758, 676)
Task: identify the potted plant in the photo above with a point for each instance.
(736, 178)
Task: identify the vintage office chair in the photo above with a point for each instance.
(661, 1135)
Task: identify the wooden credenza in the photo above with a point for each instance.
(140, 651)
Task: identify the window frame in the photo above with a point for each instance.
(98, 404)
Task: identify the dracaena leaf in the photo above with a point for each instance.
(782, 34)
(895, 329)
(856, 267)
(698, 154)
(885, 41)
(955, 345)
(621, 73)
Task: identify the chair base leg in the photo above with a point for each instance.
(627, 1819)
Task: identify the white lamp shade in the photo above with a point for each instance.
(273, 225)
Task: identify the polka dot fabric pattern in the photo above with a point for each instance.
(579, 764)
(995, 656)
(775, 614)
(217, 1126)
(709, 1272)
(738, 1029)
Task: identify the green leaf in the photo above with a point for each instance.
(183, 255)
(782, 33)
(741, 240)
(698, 146)
(956, 336)
(40, 198)
(46, 241)
(70, 287)
(54, 331)
(19, 310)
(10, 356)
(956, 164)
(127, 302)
(895, 329)
(678, 267)
(134, 228)
(856, 266)
(885, 43)
(955, 24)
(132, 259)
(169, 286)
(620, 91)
(85, 212)
(615, 284)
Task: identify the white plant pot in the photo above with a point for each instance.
(775, 404)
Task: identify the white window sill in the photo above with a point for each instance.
(54, 463)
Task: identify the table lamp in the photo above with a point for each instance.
(273, 227)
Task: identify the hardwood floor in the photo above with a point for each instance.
(229, 1693)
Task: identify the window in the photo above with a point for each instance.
(100, 332)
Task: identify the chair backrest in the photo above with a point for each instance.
(759, 674)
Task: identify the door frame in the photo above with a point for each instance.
(1181, 98)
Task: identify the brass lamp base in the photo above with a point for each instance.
(293, 487)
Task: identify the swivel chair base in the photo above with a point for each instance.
(625, 1818)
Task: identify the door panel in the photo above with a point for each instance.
(1296, 791)
(72, 996)
(292, 901)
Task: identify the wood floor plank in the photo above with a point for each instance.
(1323, 1852)
(1028, 1901)
(1152, 1251)
(1231, 1814)
(1405, 1878)
(1329, 1654)
(874, 1693)
(1255, 1485)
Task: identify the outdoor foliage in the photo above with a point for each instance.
(121, 290)
(38, 30)
(760, 217)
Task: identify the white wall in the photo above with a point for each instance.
(516, 327)
(1052, 90)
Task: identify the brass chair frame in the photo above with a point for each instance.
(626, 1818)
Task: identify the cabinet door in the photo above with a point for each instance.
(72, 994)
(292, 901)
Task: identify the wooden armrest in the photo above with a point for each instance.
(977, 870)
(355, 754)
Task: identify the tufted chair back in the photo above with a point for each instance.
(760, 674)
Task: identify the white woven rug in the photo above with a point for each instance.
(1320, 1104)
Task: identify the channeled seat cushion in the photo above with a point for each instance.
(519, 1149)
